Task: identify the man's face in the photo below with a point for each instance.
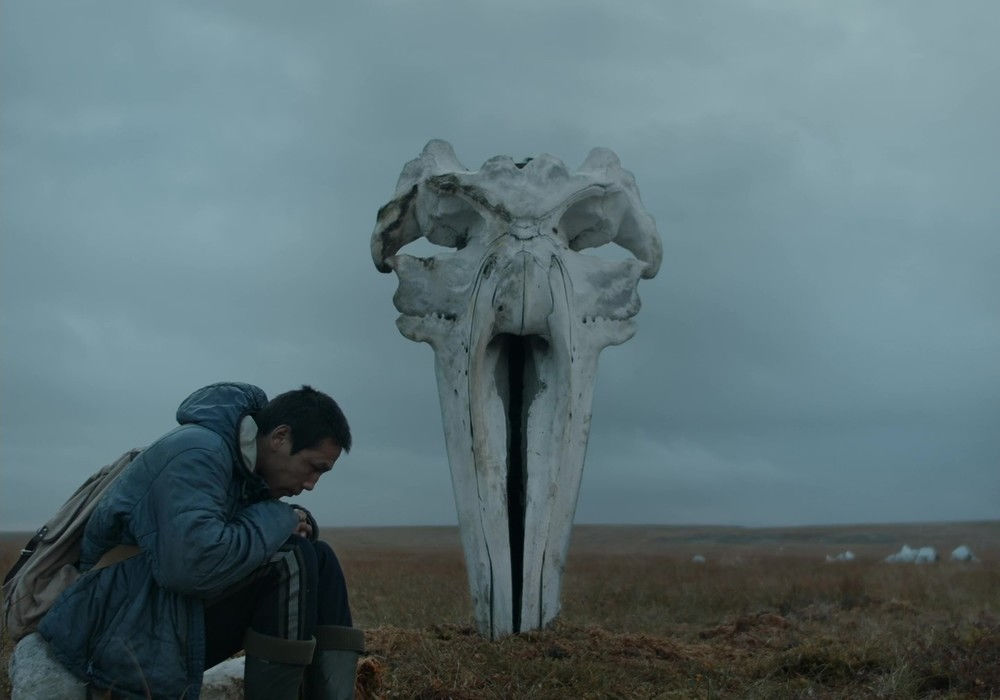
(288, 474)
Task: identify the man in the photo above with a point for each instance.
(220, 564)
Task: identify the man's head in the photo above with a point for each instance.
(300, 435)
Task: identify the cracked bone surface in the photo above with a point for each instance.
(517, 312)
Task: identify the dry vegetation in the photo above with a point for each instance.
(765, 617)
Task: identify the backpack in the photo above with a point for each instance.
(48, 563)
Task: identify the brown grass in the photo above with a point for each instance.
(765, 617)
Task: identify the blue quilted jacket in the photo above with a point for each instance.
(203, 522)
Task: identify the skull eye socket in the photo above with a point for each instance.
(593, 221)
(446, 220)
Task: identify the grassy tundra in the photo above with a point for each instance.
(764, 617)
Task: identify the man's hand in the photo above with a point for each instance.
(304, 529)
(307, 525)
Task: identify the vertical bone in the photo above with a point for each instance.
(517, 317)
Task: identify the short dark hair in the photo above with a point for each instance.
(312, 415)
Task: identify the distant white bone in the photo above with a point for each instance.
(963, 553)
(843, 556)
(924, 555)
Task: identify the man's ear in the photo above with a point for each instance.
(279, 436)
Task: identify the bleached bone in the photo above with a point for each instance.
(963, 553)
(517, 315)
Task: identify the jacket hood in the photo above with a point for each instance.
(220, 407)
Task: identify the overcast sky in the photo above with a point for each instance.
(187, 192)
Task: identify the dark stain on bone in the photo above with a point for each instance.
(449, 184)
(401, 205)
(402, 202)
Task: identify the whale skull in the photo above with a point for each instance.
(516, 314)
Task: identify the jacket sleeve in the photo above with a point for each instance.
(193, 547)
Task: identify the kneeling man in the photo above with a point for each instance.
(216, 562)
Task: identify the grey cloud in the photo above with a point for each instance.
(188, 192)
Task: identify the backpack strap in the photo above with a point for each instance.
(26, 553)
(115, 555)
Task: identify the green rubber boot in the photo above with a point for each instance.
(331, 674)
(275, 666)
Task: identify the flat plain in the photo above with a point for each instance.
(765, 616)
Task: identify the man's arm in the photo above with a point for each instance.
(194, 549)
